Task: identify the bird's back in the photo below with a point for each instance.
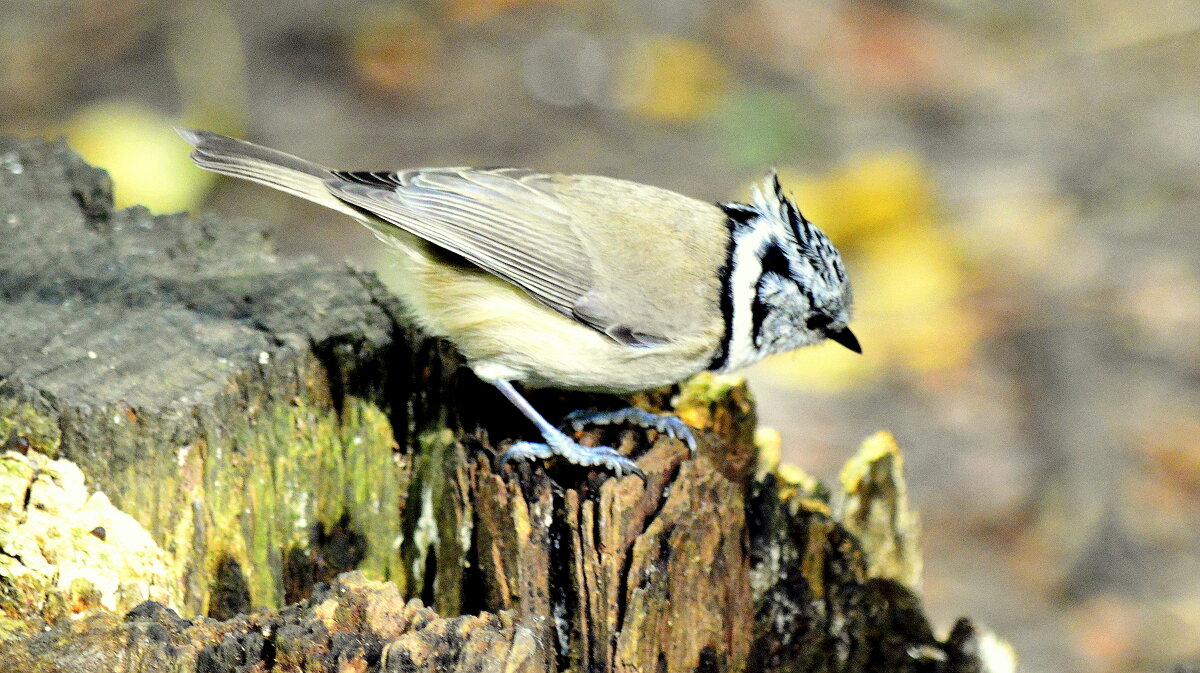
(654, 252)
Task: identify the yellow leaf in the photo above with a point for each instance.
(139, 148)
(908, 269)
(882, 192)
(674, 80)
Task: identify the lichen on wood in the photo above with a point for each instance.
(65, 550)
(873, 505)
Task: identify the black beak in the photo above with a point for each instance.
(845, 337)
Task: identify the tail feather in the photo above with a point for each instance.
(287, 173)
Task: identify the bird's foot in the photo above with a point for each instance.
(671, 426)
(558, 444)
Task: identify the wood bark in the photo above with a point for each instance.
(316, 473)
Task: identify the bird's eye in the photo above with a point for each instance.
(818, 322)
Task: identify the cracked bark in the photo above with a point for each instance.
(273, 424)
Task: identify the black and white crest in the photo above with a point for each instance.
(784, 284)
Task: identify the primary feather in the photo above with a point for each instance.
(263, 165)
(507, 221)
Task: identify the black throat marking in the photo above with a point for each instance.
(774, 262)
(739, 216)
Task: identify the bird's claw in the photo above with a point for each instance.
(671, 426)
(575, 453)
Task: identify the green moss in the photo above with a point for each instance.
(434, 555)
(266, 486)
(304, 470)
(374, 478)
(23, 420)
(15, 628)
(707, 388)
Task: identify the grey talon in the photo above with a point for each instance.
(671, 426)
(525, 451)
(558, 444)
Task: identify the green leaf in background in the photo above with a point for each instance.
(758, 127)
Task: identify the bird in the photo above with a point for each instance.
(580, 282)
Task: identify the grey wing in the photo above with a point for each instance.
(507, 221)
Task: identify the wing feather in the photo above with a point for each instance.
(507, 221)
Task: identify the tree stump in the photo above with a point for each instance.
(301, 482)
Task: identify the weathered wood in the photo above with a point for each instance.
(65, 550)
(353, 625)
(274, 423)
(229, 401)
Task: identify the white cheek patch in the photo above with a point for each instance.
(747, 268)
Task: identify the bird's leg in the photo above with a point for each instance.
(672, 426)
(558, 444)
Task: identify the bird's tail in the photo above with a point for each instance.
(287, 173)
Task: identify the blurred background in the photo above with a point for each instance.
(1015, 184)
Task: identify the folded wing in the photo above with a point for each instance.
(505, 220)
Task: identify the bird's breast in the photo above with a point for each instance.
(505, 334)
